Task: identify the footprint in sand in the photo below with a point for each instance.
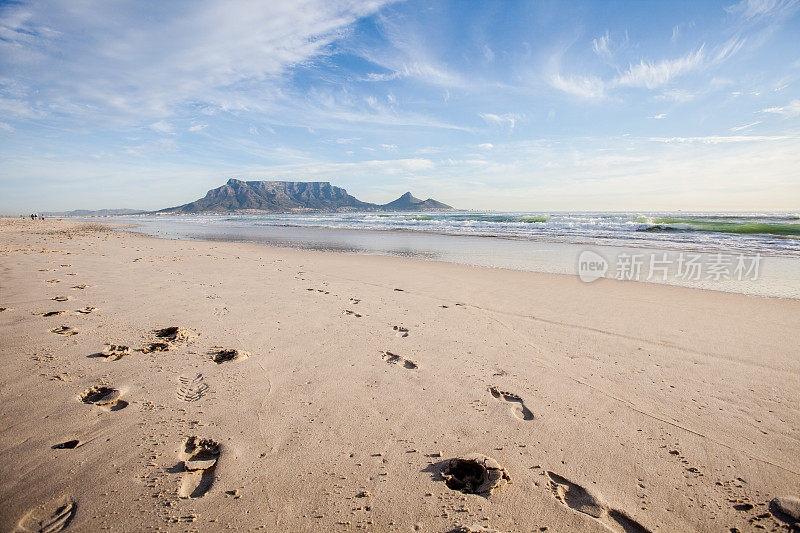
(60, 298)
(351, 313)
(65, 330)
(395, 359)
(222, 355)
(580, 499)
(68, 445)
(174, 334)
(52, 313)
(400, 331)
(112, 352)
(104, 397)
(156, 347)
(86, 310)
(474, 474)
(200, 458)
(50, 518)
(80, 287)
(192, 388)
(521, 412)
(53, 281)
(473, 528)
(355, 300)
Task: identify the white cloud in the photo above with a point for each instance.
(374, 76)
(645, 74)
(652, 75)
(676, 95)
(507, 119)
(600, 45)
(486, 146)
(755, 9)
(792, 109)
(95, 56)
(728, 49)
(723, 139)
(745, 126)
(389, 147)
(18, 108)
(162, 127)
(659, 116)
(197, 127)
(586, 87)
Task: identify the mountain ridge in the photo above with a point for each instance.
(291, 196)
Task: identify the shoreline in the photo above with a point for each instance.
(517, 238)
(615, 377)
(781, 279)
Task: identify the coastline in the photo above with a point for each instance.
(778, 275)
(617, 376)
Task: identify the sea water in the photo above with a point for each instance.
(749, 253)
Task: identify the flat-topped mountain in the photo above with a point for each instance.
(287, 196)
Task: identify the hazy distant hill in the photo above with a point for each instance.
(95, 213)
(283, 196)
(409, 202)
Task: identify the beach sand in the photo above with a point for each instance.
(610, 405)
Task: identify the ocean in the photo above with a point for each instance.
(749, 253)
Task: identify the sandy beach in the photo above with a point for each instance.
(329, 392)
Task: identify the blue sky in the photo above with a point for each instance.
(531, 106)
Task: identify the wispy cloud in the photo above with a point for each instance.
(675, 95)
(600, 45)
(506, 119)
(654, 74)
(754, 9)
(584, 86)
(162, 126)
(745, 126)
(647, 74)
(118, 65)
(792, 109)
(659, 116)
(721, 139)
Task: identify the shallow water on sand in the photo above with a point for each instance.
(747, 266)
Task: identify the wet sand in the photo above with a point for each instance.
(308, 391)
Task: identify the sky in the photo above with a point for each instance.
(524, 106)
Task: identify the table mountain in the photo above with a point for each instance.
(286, 196)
